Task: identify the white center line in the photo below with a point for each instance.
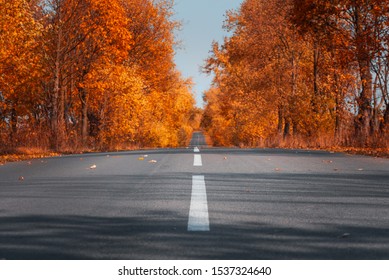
(197, 160)
(198, 213)
(196, 150)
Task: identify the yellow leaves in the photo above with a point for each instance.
(152, 50)
(18, 57)
(140, 99)
(119, 91)
(110, 26)
(129, 116)
(103, 67)
(260, 72)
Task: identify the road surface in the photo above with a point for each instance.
(196, 203)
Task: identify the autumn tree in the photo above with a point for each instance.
(302, 72)
(152, 53)
(93, 73)
(117, 104)
(81, 34)
(260, 71)
(357, 30)
(19, 66)
(153, 33)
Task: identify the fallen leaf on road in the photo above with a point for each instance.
(141, 158)
(145, 156)
(93, 166)
(360, 169)
(21, 178)
(277, 169)
(225, 158)
(153, 161)
(29, 163)
(345, 235)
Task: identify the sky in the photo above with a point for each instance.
(202, 22)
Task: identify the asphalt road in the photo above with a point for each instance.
(255, 204)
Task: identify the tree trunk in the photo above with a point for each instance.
(14, 124)
(338, 108)
(57, 118)
(286, 129)
(54, 103)
(338, 113)
(384, 127)
(315, 78)
(280, 119)
(84, 115)
(364, 100)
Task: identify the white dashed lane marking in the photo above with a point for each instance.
(198, 213)
(197, 160)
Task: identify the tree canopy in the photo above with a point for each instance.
(301, 72)
(91, 73)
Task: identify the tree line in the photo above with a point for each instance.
(91, 73)
(301, 73)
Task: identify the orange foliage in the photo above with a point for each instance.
(300, 71)
(19, 66)
(92, 73)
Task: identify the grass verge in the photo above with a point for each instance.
(23, 153)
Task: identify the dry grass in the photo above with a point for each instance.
(374, 152)
(377, 148)
(25, 153)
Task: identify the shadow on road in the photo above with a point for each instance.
(81, 237)
(323, 220)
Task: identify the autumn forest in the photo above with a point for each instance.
(100, 75)
(303, 73)
(91, 73)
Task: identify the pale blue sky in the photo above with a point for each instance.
(202, 23)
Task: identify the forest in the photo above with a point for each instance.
(301, 73)
(99, 74)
